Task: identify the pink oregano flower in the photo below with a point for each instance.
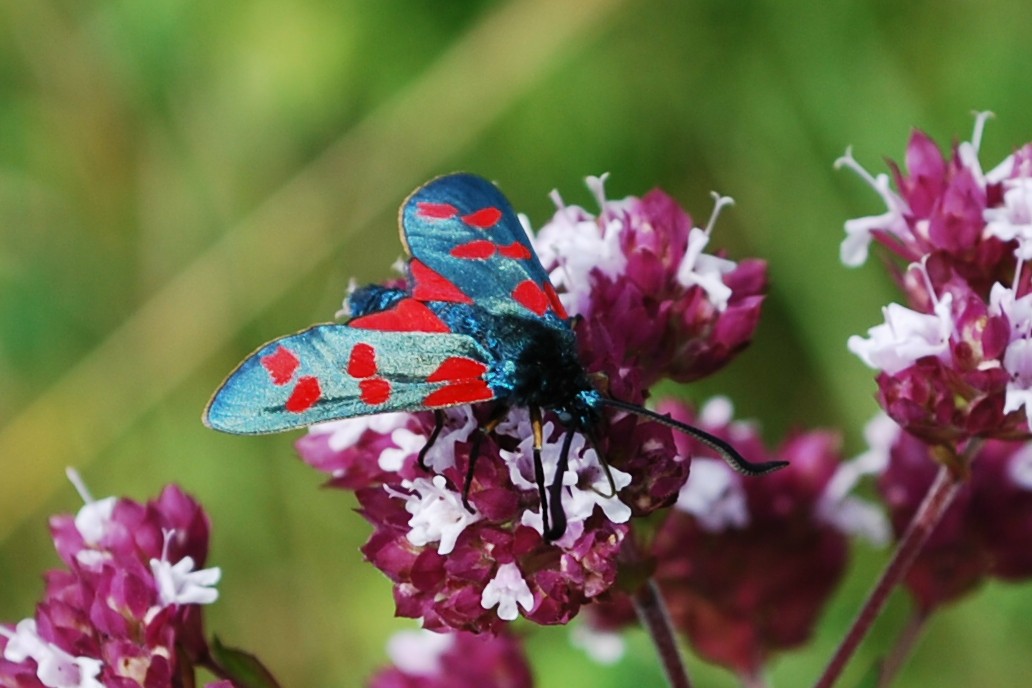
(955, 376)
(125, 612)
(421, 659)
(955, 362)
(651, 303)
(985, 534)
(746, 566)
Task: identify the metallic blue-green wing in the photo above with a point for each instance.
(468, 246)
(335, 371)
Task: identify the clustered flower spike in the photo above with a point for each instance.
(955, 362)
(639, 277)
(652, 304)
(746, 566)
(125, 611)
(424, 659)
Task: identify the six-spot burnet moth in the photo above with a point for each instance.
(478, 322)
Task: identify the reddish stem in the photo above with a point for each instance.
(928, 515)
(652, 612)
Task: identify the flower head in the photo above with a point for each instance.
(985, 532)
(746, 566)
(956, 362)
(477, 567)
(125, 611)
(423, 659)
(639, 275)
(939, 209)
(467, 548)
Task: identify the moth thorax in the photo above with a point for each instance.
(548, 369)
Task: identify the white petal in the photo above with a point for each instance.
(717, 411)
(858, 231)
(346, 432)
(94, 518)
(1017, 360)
(55, 668)
(605, 647)
(1020, 467)
(855, 516)
(904, 337)
(507, 590)
(438, 514)
(419, 652)
(459, 424)
(704, 270)
(714, 496)
(408, 444)
(24, 642)
(850, 514)
(180, 584)
(55, 671)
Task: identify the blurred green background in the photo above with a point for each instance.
(182, 180)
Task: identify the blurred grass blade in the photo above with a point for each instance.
(365, 173)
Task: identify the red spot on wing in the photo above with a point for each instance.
(515, 250)
(459, 393)
(457, 368)
(306, 393)
(408, 315)
(429, 285)
(281, 365)
(374, 391)
(528, 294)
(553, 300)
(483, 218)
(436, 211)
(475, 250)
(362, 362)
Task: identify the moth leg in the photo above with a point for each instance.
(552, 515)
(593, 441)
(438, 425)
(555, 492)
(498, 414)
(539, 470)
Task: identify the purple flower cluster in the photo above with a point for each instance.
(126, 611)
(422, 659)
(639, 277)
(746, 566)
(955, 369)
(986, 531)
(652, 304)
(956, 362)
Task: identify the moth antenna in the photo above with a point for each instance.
(726, 451)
